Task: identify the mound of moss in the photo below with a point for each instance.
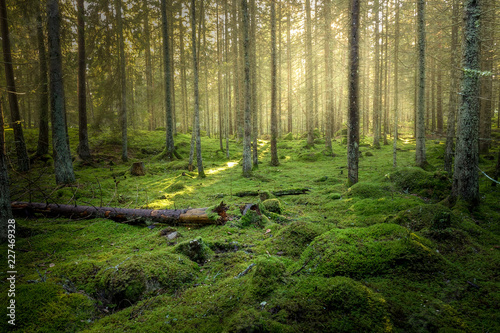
(272, 205)
(293, 239)
(309, 156)
(288, 136)
(368, 190)
(433, 216)
(46, 307)
(267, 275)
(377, 250)
(434, 185)
(196, 250)
(337, 304)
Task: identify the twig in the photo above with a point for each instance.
(245, 271)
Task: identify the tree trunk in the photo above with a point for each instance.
(83, 144)
(5, 210)
(289, 65)
(274, 126)
(62, 157)
(452, 107)
(202, 216)
(236, 76)
(253, 84)
(43, 126)
(309, 78)
(167, 75)
(23, 162)
(420, 157)
(219, 82)
(149, 76)
(439, 99)
(396, 85)
(196, 127)
(247, 162)
(376, 88)
(466, 179)
(123, 79)
(328, 76)
(353, 116)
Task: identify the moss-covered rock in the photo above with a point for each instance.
(253, 218)
(309, 156)
(337, 304)
(380, 249)
(196, 250)
(293, 239)
(433, 216)
(175, 187)
(267, 275)
(368, 190)
(334, 196)
(435, 185)
(272, 205)
(288, 136)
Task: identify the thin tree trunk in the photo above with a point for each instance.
(289, 65)
(62, 157)
(466, 178)
(23, 162)
(439, 99)
(5, 209)
(247, 162)
(123, 80)
(149, 76)
(274, 126)
(328, 76)
(219, 82)
(396, 85)
(420, 156)
(309, 78)
(353, 116)
(254, 85)
(227, 104)
(486, 93)
(83, 149)
(43, 125)
(167, 73)
(236, 76)
(376, 90)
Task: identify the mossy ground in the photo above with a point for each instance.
(381, 256)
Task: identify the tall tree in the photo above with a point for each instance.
(23, 162)
(328, 75)
(289, 65)
(43, 125)
(149, 71)
(5, 208)
(396, 84)
(167, 75)
(253, 83)
(196, 128)
(123, 79)
(466, 178)
(353, 116)
(247, 161)
(376, 88)
(453, 101)
(274, 126)
(420, 157)
(62, 157)
(83, 145)
(309, 78)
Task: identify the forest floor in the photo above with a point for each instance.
(385, 255)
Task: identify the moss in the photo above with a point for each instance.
(309, 156)
(380, 249)
(196, 250)
(293, 239)
(267, 276)
(433, 216)
(368, 190)
(335, 196)
(288, 136)
(45, 307)
(337, 304)
(175, 187)
(253, 218)
(272, 205)
(435, 185)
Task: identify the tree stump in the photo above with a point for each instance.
(138, 169)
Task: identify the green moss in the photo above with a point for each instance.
(381, 249)
(435, 185)
(337, 304)
(272, 205)
(433, 216)
(175, 187)
(267, 276)
(288, 136)
(293, 239)
(368, 190)
(252, 218)
(196, 250)
(309, 156)
(335, 196)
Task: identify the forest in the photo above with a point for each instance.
(250, 166)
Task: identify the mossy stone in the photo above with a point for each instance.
(434, 185)
(268, 274)
(334, 196)
(252, 218)
(433, 216)
(272, 205)
(196, 250)
(294, 238)
(288, 136)
(309, 156)
(368, 190)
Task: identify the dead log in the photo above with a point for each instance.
(293, 191)
(138, 169)
(199, 216)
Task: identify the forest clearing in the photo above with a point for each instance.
(250, 166)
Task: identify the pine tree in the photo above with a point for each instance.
(274, 126)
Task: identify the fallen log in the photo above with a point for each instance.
(293, 191)
(199, 216)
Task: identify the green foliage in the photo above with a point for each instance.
(434, 185)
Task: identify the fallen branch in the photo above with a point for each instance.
(214, 215)
(276, 193)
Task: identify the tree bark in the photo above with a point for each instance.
(253, 84)
(289, 65)
(43, 126)
(167, 75)
(247, 162)
(149, 76)
(420, 156)
(274, 130)
(203, 216)
(396, 85)
(83, 149)
(466, 178)
(309, 78)
(328, 76)
(353, 116)
(5, 209)
(376, 88)
(123, 80)
(23, 162)
(62, 157)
